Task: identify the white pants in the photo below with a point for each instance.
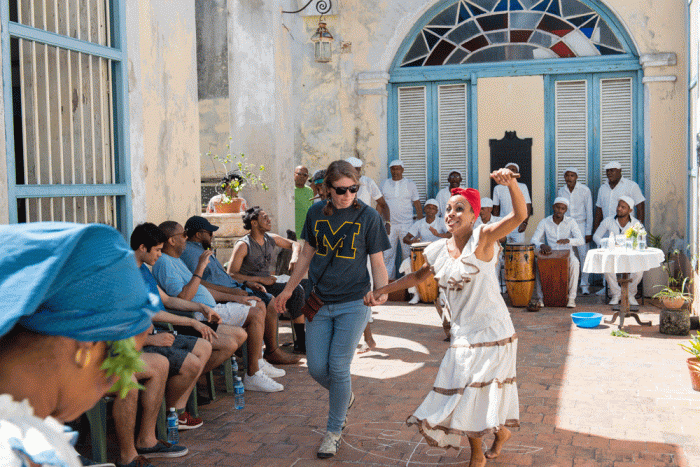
(616, 290)
(573, 278)
(398, 232)
(405, 268)
(582, 252)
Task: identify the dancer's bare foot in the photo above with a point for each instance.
(502, 436)
(477, 458)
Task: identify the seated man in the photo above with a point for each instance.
(238, 310)
(251, 261)
(428, 229)
(135, 452)
(200, 234)
(559, 232)
(188, 355)
(619, 225)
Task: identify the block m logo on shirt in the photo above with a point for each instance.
(342, 240)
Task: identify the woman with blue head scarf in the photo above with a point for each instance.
(71, 303)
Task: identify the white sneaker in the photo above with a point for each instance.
(615, 301)
(414, 300)
(633, 301)
(260, 382)
(571, 303)
(329, 445)
(270, 370)
(540, 303)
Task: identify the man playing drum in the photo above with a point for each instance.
(559, 232)
(426, 230)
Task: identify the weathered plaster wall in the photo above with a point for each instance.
(526, 117)
(261, 109)
(163, 83)
(212, 82)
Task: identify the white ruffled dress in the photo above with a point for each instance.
(475, 390)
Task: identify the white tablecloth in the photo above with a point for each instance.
(620, 260)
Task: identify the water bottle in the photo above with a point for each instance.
(173, 435)
(239, 394)
(234, 366)
(642, 241)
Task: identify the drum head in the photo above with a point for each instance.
(419, 245)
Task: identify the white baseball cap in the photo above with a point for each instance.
(628, 200)
(354, 161)
(613, 165)
(561, 200)
(396, 162)
(486, 203)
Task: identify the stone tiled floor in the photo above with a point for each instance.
(586, 399)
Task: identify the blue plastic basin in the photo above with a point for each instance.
(586, 320)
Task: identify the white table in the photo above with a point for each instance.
(621, 260)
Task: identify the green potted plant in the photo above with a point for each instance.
(672, 296)
(693, 348)
(238, 173)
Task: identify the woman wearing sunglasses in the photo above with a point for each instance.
(340, 234)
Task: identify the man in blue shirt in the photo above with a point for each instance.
(215, 278)
(237, 309)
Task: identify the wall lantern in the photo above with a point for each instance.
(322, 43)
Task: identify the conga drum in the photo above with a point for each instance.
(554, 277)
(428, 289)
(520, 272)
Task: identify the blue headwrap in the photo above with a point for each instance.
(73, 280)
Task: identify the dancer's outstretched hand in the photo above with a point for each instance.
(371, 300)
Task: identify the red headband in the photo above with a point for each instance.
(472, 197)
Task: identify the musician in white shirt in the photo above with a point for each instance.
(581, 210)
(502, 205)
(609, 193)
(559, 232)
(619, 225)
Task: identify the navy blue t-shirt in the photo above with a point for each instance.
(348, 239)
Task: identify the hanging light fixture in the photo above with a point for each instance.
(322, 43)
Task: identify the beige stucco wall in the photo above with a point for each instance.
(164, 130)
(520, 108)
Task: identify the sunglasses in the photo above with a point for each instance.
(341, 190)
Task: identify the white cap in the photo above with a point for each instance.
(571, 169)
(455, 172)
(628, 200)
(613, 165)
(396, 162)
(431, 202)
(561, 200)
(513, 163)
(354, 161)
(486, 203)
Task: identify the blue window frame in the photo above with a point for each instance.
(65, 94)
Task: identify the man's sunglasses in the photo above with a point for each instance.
(341, 190)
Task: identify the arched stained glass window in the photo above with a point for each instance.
(477, 31)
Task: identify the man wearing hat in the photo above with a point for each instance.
(370, 191)
(559, 232)
(609, 193)
(302, 197)
(454, 180)
(429, 229)
(401, 194)
(502, 205)
(619, 224)
(317, 186)
(581, 209)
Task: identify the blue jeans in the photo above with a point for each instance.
(331, 341)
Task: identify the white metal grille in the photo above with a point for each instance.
(452, 123)
(616, 124)
(571, 129)
(66, 108)
(412, 135)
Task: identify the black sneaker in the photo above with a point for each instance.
(163, 449)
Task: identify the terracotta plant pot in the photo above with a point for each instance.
(694, 373)
(228, 208)
(673, 303)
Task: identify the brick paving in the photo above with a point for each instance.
(586, 399)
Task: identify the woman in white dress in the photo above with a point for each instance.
(475, 390)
